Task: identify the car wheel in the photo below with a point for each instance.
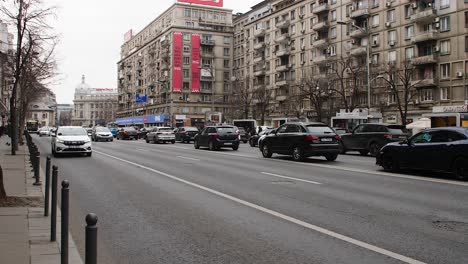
(460, 169)
(245, 141)
(211, 146)
(389, 163)
(251, 143)
(173, 141)
(195, 144)
(342, 148)
(298, 154)
(117, 138)
(374, 149)
(363, 152)
(235, 147)
(266, 151)
(147, 141)
(331, 157)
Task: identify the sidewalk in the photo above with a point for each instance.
(25, 231)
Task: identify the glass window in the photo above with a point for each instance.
(444, 3)
(281, 129)
(409, 31)
(409, 53)
(375, 20)
(444, 93)
(319, 129)
(391, 15)
(425, 94)
(292, 129)
(423, 137)
(359, 129)
(445, 46)
(454, 136)
(445, 24)
(445, 71)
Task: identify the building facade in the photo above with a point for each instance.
(6, 79)
(177, 67)
(310, 56)
(93, 106)
(43, 111)
(64, 114)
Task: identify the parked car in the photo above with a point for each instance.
(371, 137)
(253, 140)
(262, 137)
(44, 131)
(127, 133)
(302, 140)
(71, 139)
(185, 134)
(216, 137)
(101, 133)
(244, 135)
(160, 134)
(89, 130)
(438, 149)
(144, 131)
(114, 131)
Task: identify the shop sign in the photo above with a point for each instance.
(180, 117)
(450, 109)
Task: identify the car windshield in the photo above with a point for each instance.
(102, 129)
(72, 131)
(165, 129)
(226, 130)
(321, 129)
(44, 129)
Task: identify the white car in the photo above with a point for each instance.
(44, 131)
(71, 139)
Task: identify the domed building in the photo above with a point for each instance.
(93, 106)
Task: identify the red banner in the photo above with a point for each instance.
(177, 63)
(195, 63)
(218, 3)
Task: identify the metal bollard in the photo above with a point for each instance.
(53, 206)
(91, 239)
(64, 226)
(47, 187)
(37, 169)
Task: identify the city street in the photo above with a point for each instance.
(165, 203)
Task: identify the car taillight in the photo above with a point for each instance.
(125, 132)
(215, 136)
(311, 138)
(337, 137)
(388, 136)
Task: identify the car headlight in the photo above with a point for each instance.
(87, 140)
(60, 141)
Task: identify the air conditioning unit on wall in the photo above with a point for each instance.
(459, 74)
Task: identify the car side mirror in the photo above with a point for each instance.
(59, 134)
(53, 135)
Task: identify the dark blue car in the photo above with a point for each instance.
(114, 131)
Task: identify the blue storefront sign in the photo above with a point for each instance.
(139, 120)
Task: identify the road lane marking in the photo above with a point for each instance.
(290, 178)
(140, 149)
(276, 214)
(183, 157)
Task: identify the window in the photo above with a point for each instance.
(333, 15)
(186, 49)
(186, 36)
(227, 40)
(391, 98)
(425, 94)
(375, 59)
(445, 47)
(409, 53)
(374, 3)
(444, 3)
(293, 14)
(375, 20)
(333, 32)
(226, 52)
(466, 91)
(391, 36)
(332, 49)
(391, 15)
(408, 11)
(226, 63)
(189, 24)
(444, 93)
(375, 40)
(186, 60)
(392, 56)
(187, 12)
(466, 43)
(445, 24)
(466, 19)
(185, 86)
(409, 31)
(445, 70)
(186, 73)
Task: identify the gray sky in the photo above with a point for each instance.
(92, 33)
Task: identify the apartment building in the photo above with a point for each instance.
(6, 75)
(43, 110)
(355, 50)
(93, 106)
(177, 70)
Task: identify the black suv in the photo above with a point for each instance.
(216, 137)
(302, 140)
(371, 138)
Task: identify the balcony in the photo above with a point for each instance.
(282, 68)
(319, 8)
(259, 46)
(208, 42)
(358, 51)
(258, 59)
(425, 16)
(282, 38)
(360, 13)
(259, 72)
(422, 60)
(283, 23)
(428, 82)
(281, 98)
(425, 36)
(357, 33)
(207, 54)
(258, 87)
(259, 32)
(283, 52)
(319, 59)
(281, 82)
(320, 26)
(319, 43)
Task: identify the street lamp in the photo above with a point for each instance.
(367, 32)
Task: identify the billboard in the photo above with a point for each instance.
(177, 63)
(218, 3)
(195, 63)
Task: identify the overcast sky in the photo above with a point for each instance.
(92, 32)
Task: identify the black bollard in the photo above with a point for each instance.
(64, 227)
(37, 169)
(91, 239)
(47, 187)
(53, 205)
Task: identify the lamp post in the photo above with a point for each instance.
(367, 32)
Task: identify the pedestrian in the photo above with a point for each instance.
(259, 129)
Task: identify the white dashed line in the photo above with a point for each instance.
(290, 178)
(182, 157)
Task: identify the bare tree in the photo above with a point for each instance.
(401, 85)
(316, 91)
(262, 99)
(29, 18)
(241, 98)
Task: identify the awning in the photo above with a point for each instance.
(422, 123)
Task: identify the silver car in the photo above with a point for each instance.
(161, 134)
(101, 134)
(71, 139)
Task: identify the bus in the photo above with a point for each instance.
(32, 126)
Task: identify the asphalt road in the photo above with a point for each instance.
(164, 203)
